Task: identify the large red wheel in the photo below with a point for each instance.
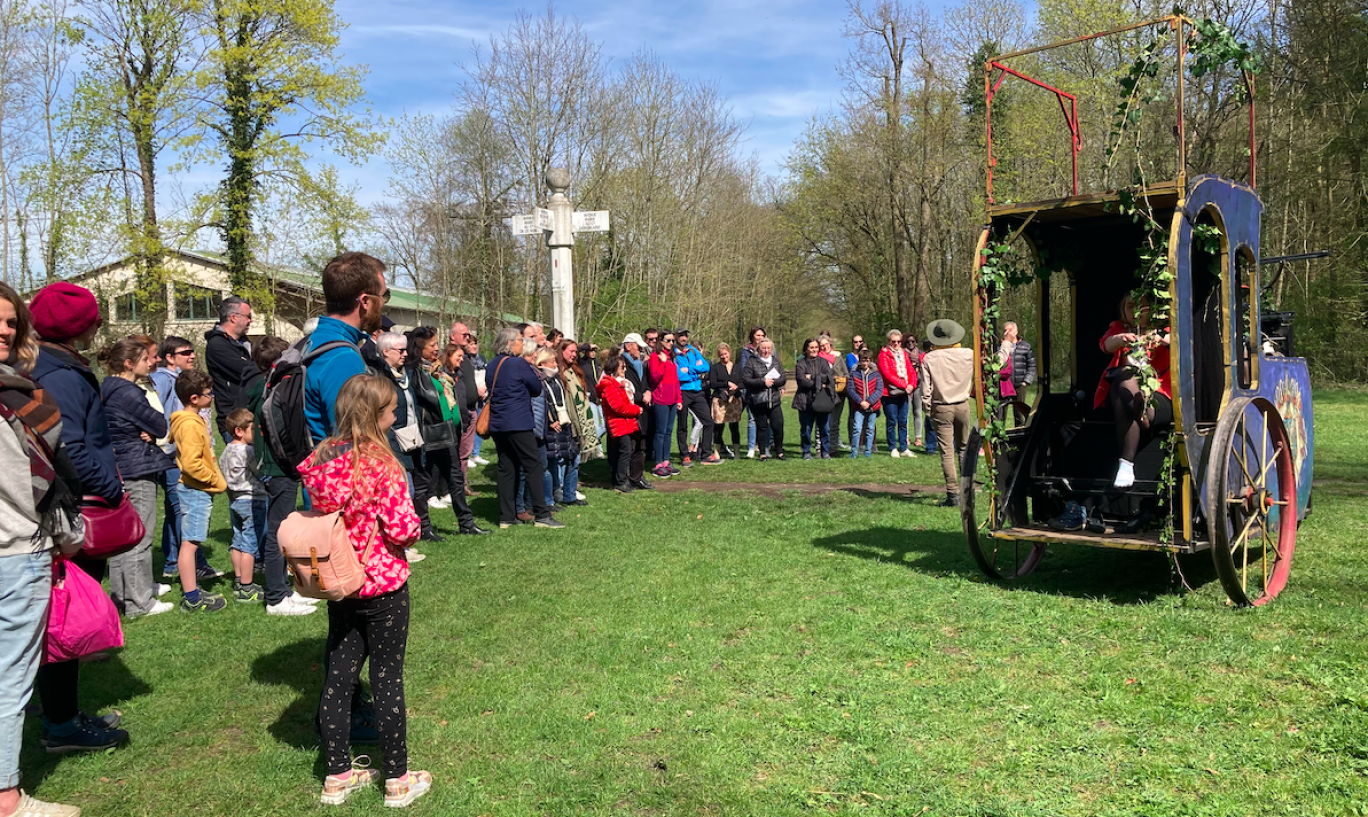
(999, 558)
(1251, 501)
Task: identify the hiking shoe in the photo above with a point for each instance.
(1073, 518)
(249, 593)
(88, 737)
(289, 607)
(28, 807)
(401, 791)
(549, 522)
(208, 602)
(336, 791)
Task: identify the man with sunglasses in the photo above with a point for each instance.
(177, 355)
(228, 356)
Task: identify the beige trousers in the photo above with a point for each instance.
(951, 424)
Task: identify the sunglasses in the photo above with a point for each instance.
(183, 353)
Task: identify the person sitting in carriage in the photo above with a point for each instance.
(1135, 347)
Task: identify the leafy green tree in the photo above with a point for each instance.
(273, 85)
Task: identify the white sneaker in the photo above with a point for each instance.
(440, 503)
(480, 461)
(413, 555)
(750, 454)
(28, 807)
(160, 607)
(288, 607)
(579, 495)
(163, 589)
(298, 599)
(894, 453)
(909, 454)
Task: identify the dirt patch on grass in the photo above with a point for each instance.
(776, 490)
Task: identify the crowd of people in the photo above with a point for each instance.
(394, 422)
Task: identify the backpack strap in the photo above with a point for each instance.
(327, 347)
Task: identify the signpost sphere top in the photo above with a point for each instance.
(558, 179)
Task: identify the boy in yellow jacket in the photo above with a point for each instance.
(200, 480)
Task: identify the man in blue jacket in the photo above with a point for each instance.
(355, 294)
(693, 370)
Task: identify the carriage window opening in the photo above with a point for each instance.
(1245, 319)
(1208, 322)
(1058, 303)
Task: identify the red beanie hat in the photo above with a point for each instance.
(63, 310)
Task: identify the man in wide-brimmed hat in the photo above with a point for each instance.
(947, 376)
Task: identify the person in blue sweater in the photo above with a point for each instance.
(693, 375)
(355, 293)
(513, 385)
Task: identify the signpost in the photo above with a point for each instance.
(559, 222)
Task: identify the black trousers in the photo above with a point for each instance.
(769, 427)
(443, 462)
(282, 497)
(377, 628)
(518, 453)
(420, 491)
(834, 424)
(695, 403)
(636, 469)
(620, 459)
(56, 686)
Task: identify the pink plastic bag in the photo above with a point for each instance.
(82, 620)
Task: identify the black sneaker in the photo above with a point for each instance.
(674, 472)
(643, 485)
(207, 572)
(248, 593)
(624, 489)
(208, 603)
(88, 737)
(549, 522)
(473, 530)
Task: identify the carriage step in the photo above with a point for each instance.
(1098, 487)
(1143, 540)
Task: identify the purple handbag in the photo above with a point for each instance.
(110, 530)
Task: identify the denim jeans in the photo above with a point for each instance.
(864, 433)
(562, 478)
(750, 430)
(283, 498)
(809, 420)
(171, 525)
(247, 516)
(895, 422)
(930, 436)
(196, 506)
(664, 424)
(25, 591)
(475, 449)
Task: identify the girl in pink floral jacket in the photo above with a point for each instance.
(355, 472)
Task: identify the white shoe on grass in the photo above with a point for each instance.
(289, 607)
(894, 453)
(163, 589)
(479, 460)
(298, 599)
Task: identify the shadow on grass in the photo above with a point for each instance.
(103, 685)
(299, 666)
(1121, 577)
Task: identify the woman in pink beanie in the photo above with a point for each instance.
(67, 317)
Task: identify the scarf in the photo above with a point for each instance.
(439, 374)
(900, 360)
(627, 387)
(36, 412)
(562, 414)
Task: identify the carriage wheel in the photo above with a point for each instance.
(1251, 501)
(998, 558)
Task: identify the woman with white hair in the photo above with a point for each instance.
(405, 436)
(899, 372)
(512, 385)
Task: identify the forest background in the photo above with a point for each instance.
(871, 223)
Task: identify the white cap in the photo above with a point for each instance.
(633, 337)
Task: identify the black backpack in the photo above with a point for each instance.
(283, 427)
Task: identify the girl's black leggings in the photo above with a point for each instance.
(377, 628)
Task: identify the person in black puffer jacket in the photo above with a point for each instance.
(561, 478)
(814, 399)
(763, 378)
(134, 428)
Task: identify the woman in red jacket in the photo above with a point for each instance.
(620, 411)
(666, 401)
(898, 368)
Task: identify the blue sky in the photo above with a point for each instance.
(775, 61)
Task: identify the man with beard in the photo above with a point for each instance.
(355, 294)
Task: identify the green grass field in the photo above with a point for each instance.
(791, 652)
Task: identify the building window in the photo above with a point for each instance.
(129, 308)
(195, 303)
